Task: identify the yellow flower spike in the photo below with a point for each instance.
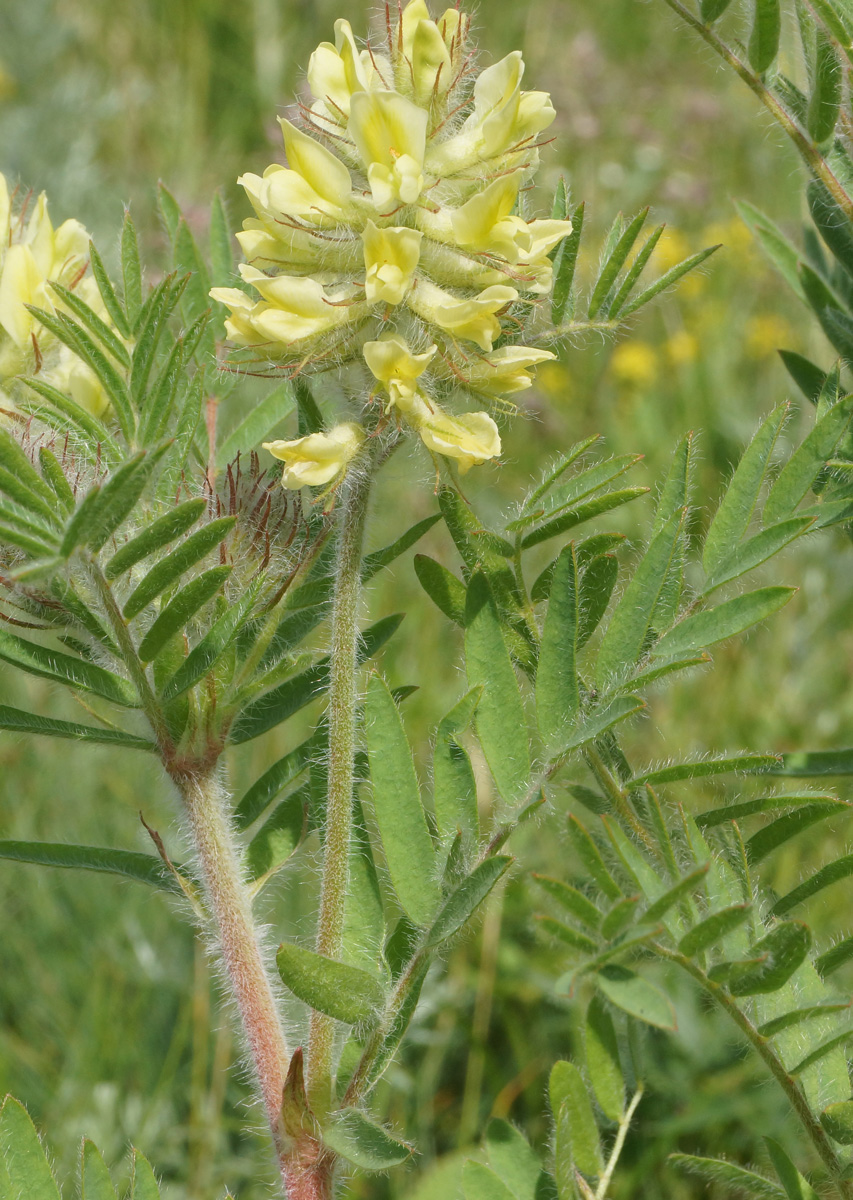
(393, 364)
(390, 257)
(389, 132)
(505, 371)
(425, 67)
(336, 72)
(470, 439)
(474, 320)
(317, 458)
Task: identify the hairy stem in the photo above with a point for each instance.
(813, 158)
(238, 939)
(761, 1045)
(342, 714)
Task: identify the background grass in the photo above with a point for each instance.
(111, 1023)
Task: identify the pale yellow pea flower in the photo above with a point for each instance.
(471, 319)
(470, 438)
(293, 309)
(316, 185)
(393, 364)
(505, 371)
(426, 65)
(389, 132)
(317, 458)
(390, 257)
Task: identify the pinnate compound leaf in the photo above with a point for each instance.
(738, 1179)
(500, 719)
(95, 1178)
(25, 1160)
(157, 535)
(337, 989)
(667, 280)
(169, 569)
(397, 805)
(204, 656)
(557, 687)
(574, 1118)
(725, 620)
(602, 1060)
(16, 720)
(480, 1182)
(636, 996)
(144, 868)
(466, 899)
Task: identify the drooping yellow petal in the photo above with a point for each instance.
(470, 438)
(506, 370)
(21, 283)
(390, 257)
(485, 222)
(317, 458)
(393, 364)
(472, 319)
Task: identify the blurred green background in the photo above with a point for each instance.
(112, 1024)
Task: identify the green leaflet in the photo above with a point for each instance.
(55, 476)
(837, 1120)
(443, 588)
(169, 569)
(821, 1052)
(803, 764)
(568, 935)
(16, 463)
(706, 766)
(480, 1182)
(735, 510)
(182, 608)
(590, 856)
(572, 900)
(95, 1178)
(454, 785)
(513, 1159)
(795, 1016)
(599, 721)
(763, 43)
(636, 996)
(21, 1151)
(836, 957)
(725, 620)
(157, 535)
(825, 100)
(739, 1179)
(772, 961)
(634, 272)
(468, 896)
(574, 1119)
(766, 840)
(758, 549)
(101, 331)
(584, 512)
(781, 252)
(673, 895)
(625, 638)
(275, 706)
(556, 471)
(565, 261)
(279, 835)
(364, 917)
(713, 929)
(131, 271)
(831, 222)
(614, 262)
(809, 378)
(221, 245)
(274, 780)
(75, 673)
(762, 804)
(375, 562)
(204, 656)
(557, 687)
(17, 721)
(406, 839)
(619, 917)
(602, 1060)
(108, 294)
(667, 280)
(259, 424)
(500, 719)
(802, 468)
(366, 1145)
(144, 868)
(144, 1183)
(841, 868)
(337, 989)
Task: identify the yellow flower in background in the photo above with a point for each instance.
(682, 348)
(395, 366)
(399, 221)
(390, 258)
(634, 363)
(766, 333)
(672, 248)
(317, 458)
